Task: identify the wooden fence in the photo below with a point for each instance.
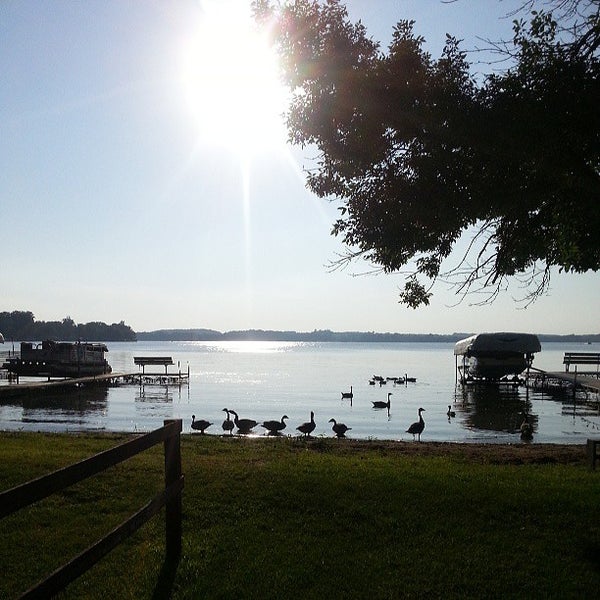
(23, 495)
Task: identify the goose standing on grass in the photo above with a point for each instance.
(381, 404)
(228, 424)
(450, 412)
(417, 427)
(274, 427)
(339, 428)
(200, 425)
(243, 425)
(308, 427)
(526, 428)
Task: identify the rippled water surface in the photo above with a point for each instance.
(264, 380)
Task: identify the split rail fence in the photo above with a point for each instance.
(37, 489)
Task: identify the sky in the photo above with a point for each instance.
(145, 177)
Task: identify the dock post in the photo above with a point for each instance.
(173, 512)
(591, 452)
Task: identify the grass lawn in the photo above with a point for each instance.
(283, 517)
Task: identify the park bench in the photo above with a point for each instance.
(581, 358)
(144, 361)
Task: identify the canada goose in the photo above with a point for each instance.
(308, 428)
(526, 428)
(200, 425)
(339, 428)
(243, 425)
(381, 404)
(417, 427)
(409, 379)
(228, 424)
(450, 412)
(348, 395)
(274, 427)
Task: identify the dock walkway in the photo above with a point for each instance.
(587, 381)
(32, 387)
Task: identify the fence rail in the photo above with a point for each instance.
(28, 493)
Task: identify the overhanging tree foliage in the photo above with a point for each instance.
(419, 153)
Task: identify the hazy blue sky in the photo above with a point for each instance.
(140, 183)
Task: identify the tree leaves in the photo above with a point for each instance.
(418, 153)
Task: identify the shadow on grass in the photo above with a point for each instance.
(166, 579)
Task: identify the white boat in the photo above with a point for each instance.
(495, 356)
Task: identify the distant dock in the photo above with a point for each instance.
(141, 377)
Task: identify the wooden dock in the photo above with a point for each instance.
(32, 387)
(141, 377)
(586, 380)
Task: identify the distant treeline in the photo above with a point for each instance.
(325, 335)
(22, 326)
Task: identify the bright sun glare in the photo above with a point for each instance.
(230, 76)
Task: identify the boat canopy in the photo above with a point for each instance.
(498, 343)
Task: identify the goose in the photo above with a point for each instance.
(274, 427)
(308, 427)
(409, 379)
(381, 404)
(417, 427)
(526, 428)
(228, 424)
(200, 425)
(339, 428)
(348, 395)
(243, 425)
(450, 412)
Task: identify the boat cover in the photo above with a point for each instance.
(523, 343)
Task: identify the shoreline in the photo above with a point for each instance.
(493, 453)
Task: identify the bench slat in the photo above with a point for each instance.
(581, 358)
(152, 360)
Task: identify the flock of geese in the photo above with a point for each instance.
(245, 426)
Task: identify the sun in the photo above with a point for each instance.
(231, 81)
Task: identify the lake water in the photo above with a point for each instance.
(264, 380)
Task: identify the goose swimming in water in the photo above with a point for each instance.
(526, 428)
(339, 428)
(243, 425)
(347, 395)
(308, 428)
(450, 412)
(274, 427)
(228, 424)
(417, 427)
(200, 425)
(381, 404)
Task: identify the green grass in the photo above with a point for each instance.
(280, 518)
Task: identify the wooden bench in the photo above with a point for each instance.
(592, 451)
(143, 361)
(581, 358)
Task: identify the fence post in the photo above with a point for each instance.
(173, 506)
